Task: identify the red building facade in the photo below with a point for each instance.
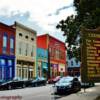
(7, 52)
(57, 54)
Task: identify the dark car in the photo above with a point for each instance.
(39, 81)
(67, 85)
(54, 80)
(14, 84)
(1, 81)
(28, 83)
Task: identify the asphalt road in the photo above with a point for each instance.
(34, 93)
(46, 93)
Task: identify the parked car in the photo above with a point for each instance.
(39, 81)
(28, 83)
(54, 80)
(67, 85)
(14, 84)
(1, 81)
(86, 84)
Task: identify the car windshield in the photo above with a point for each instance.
(65, 80)
(40, 78)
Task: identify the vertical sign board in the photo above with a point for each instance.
(90, 68)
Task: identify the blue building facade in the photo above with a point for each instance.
(42, 65)
(7, 52)
(73, 67)
(7, 67)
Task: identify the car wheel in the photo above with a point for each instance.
(35, 85)
(9, 87)
(23, 86)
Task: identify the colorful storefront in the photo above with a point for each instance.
(56, 55)
(7, 67)
(7, 52)
(42, 66)
(54, 70)
(62, 69)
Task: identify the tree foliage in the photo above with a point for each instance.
(88, 16)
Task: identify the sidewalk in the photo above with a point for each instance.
(89, 94)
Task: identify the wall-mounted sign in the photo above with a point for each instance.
(90, 68)
(61, 67)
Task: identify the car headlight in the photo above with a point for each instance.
(70, 85)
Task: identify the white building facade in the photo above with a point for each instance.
(25, 52)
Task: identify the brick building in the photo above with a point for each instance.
(7, 52)
(56, 57)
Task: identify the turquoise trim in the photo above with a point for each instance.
(42, 55)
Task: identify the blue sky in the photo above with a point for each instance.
(40, 15)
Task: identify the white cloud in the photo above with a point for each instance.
(38, 11)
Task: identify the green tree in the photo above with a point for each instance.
(88, 16)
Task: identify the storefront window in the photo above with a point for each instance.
(10, 72)
(30, 73)
(9, 62)
(19, 72)
(2, 61)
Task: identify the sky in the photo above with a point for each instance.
(40, 15)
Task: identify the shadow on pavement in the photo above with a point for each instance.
(97, 98)
(56, 96)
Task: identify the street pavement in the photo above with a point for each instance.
(89, 94)
(32, 93)
(46, 93)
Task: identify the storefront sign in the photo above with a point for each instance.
(90, 68)
(61, 68)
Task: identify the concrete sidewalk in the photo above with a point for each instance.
(89, 94)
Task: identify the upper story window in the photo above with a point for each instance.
(26, 51)
(26, 37)
(57, 52)
(32, 39)
(49, 50)
(20, 34)
(5, 40)
(32, 51)
(11, 43)
(20, 48)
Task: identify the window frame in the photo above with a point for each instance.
(12, 49)
(3, 44)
